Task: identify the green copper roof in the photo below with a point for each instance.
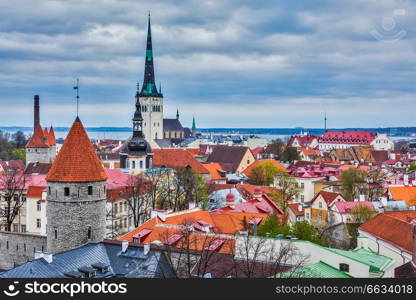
(149, 87)
(377, 263)
(317, 270)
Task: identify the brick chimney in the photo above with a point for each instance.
(36, 118)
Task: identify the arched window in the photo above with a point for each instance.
(133, 164)
(89, 232)
(141, 164)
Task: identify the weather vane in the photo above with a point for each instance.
(77, 88)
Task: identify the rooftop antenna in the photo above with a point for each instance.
(77, 88)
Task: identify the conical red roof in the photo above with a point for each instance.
(51, 137)
(38, 139)
(77, 160)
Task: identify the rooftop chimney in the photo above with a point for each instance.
(48, 257)
(146, 249)
(124, 246)
(38, 254)
(36, 119)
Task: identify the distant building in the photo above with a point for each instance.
(233, 159)
(42, 145)
(346, 139)
(310, 141)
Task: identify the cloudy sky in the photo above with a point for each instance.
(234, 63)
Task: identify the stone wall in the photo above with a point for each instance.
(43, 155)
(17, 248)
(77, 219)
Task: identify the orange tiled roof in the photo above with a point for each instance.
(35, 191)
(193, 151)
(406, 193)
(308, 151)
(51, 137)
(249, 188)
(177, 158)
(38, 139)
(214, 169)
(247, 171)
(224, 223)
(77, 161)
(393, 227)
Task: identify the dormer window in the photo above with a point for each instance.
(344, 267)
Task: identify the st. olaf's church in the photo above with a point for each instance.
(150, 129)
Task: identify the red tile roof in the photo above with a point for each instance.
(215, 170)
(177, 158)
(51, 137)
(247, 171)
(392, 227)
(38, 139)
(345, 207)
(35, 192)
(294, 207)
(327, 196)
(256, 151)
(303, 140)
(348, 137)
(77, 160)
(225, 223)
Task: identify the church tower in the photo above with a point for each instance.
(137, 156)
(149, 99)
(76, 194)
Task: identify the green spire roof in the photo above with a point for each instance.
(149, 87)
(193, 124)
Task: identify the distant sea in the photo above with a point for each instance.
(122, 133)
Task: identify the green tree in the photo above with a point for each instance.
(275, 148)
(18, 154)
(288, 190)
(263, 174)
(19, 139)
(412, 167)
(304, 231)
(353, 181)
(362, 213)
(290, 154)
(272, 226)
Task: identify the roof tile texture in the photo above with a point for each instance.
(77, 160)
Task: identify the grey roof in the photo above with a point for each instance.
(217, 199)
(172, 125)
(132, 264)
(164, 143)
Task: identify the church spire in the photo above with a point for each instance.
(149, 87)
(177, 114)
(193, 125)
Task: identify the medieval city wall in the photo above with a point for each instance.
(17, 248)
